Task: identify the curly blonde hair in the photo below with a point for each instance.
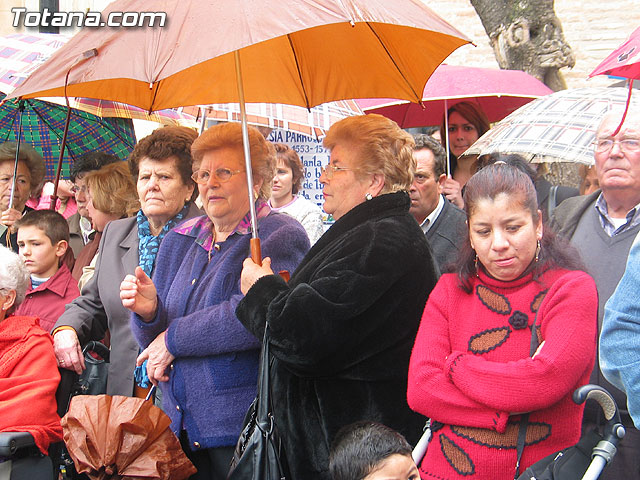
(112, 190)
(381, 146)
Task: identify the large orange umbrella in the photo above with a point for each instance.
(302, 53)
(306, 52)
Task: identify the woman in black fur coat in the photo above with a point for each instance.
(342, 329)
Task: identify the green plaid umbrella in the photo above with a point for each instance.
(43, 128)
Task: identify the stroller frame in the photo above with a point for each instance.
(601, 455)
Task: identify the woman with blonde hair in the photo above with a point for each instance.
(111, 195)
(341, 330)
(204, 360)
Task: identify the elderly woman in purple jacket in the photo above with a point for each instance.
(199, 354)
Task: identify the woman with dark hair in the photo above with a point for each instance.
(160, 166)
(549, 196)
(467, 122)
(284, 193)
(471, 369)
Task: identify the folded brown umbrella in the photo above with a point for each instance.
(123, 438)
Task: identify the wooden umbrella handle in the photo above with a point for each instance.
(256, 256)
(256, 252)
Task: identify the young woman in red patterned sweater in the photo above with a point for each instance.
(471, 370)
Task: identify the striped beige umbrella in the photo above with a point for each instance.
(559, 127)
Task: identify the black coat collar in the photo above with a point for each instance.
(386, 205)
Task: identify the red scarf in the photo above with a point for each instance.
(29, 378)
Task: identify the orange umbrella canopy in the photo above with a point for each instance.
(302, 53)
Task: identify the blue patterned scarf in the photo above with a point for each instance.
(149, 244)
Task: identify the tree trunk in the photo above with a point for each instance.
(526, 35)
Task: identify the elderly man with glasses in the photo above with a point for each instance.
(602, 226)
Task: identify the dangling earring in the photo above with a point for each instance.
(537, 251)
(475, 263)
(368, 196)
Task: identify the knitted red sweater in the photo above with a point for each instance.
(471, 370)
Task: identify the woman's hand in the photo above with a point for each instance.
(158, 359)
(10, 216)
(251, 272)
(452, 191)
(66, 347)
(138, 294)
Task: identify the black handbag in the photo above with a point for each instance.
(259, 453)
(93, 380)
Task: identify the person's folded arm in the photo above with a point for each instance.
(568, 320)
(430, 391)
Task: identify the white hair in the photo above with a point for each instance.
(13, 275)
(617, 112)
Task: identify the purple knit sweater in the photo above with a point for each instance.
(213, 379)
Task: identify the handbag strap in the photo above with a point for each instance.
(264, 386)
(524, 420)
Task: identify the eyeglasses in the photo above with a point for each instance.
(329, 170)
(223, 175)
(627, 145)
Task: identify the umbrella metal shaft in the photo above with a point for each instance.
(15, 166)
(255, 241)
(446, 136)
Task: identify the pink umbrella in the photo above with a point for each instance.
(624, 61)
(497, 92)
